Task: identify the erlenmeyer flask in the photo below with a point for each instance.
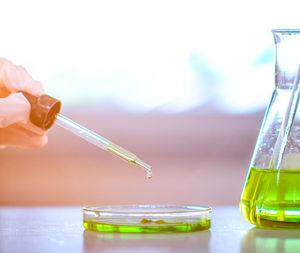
(271, 194)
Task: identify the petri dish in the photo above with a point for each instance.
(147, 218)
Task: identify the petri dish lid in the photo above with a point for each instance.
(147, 218)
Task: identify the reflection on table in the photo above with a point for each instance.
(271, 241)
(193, 242)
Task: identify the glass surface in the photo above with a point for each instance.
(147, 218)
(271, 195)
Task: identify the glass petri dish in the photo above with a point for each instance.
(147, 218)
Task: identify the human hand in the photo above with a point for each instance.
(15, 127)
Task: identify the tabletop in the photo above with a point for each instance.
(60, 229)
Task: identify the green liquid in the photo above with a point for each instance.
(271, 198)
(160, 227)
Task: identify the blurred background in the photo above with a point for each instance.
(182, 84)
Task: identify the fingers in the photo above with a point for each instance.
(15, 127)
(33, 128)
(17, 136)
(14, 108)
(16, 78)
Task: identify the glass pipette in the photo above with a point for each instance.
(101, 142)
(45, 111)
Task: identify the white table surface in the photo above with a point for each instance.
(60, 229)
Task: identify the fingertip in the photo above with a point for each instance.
(29, 84)
(34, 87)
(45, 140)
(40, 141)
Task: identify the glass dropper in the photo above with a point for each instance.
(101, 142)
(45, 112)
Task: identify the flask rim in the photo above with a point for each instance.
(285, 31)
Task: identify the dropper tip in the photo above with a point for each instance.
(146, 166)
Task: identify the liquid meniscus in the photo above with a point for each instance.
(271, 198)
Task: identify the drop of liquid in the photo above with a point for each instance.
(149, 173)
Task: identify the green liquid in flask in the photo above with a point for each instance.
(271, 198)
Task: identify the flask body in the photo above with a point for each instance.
(271, 194)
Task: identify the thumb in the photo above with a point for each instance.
(14, 108)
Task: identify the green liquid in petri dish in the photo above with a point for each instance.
(271, 198)
(152, 227)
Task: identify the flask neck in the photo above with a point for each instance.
(287, 57)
